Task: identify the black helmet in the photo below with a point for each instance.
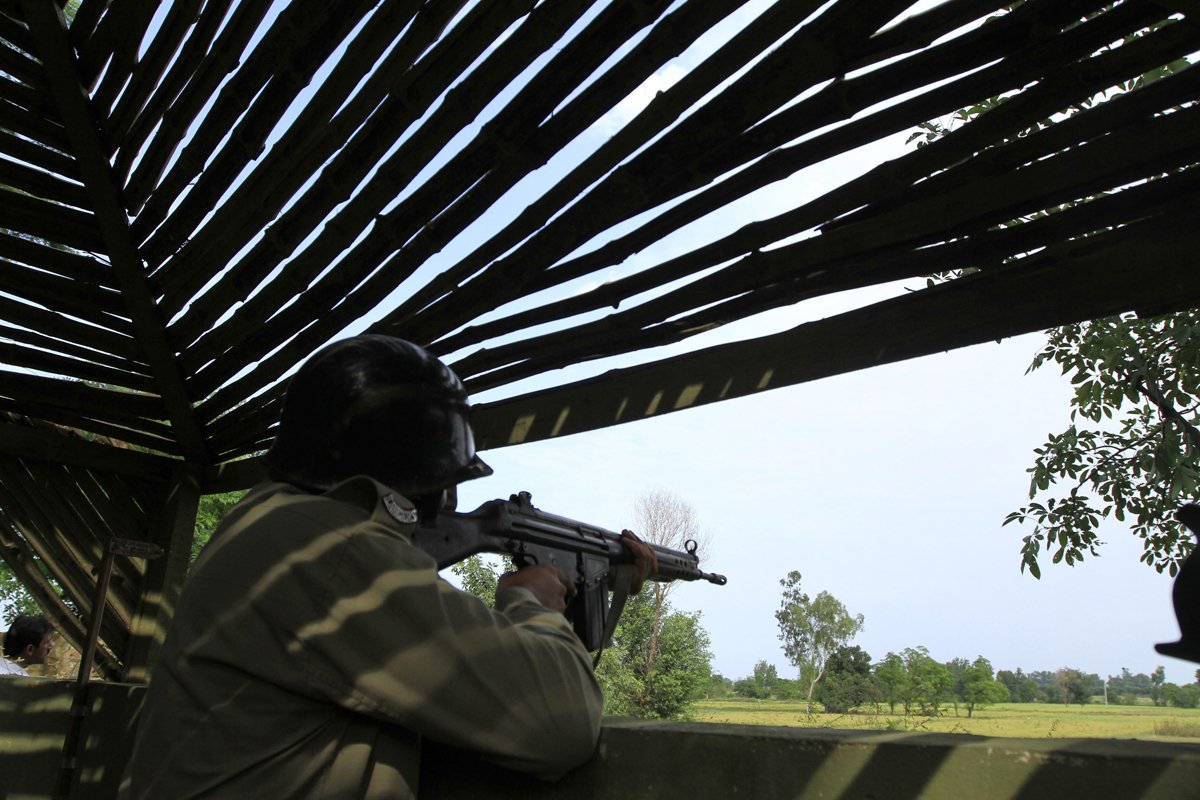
(378, 406)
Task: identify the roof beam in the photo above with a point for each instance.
(1074, 283)
(50, 445)
(22, 561)
(48, 27)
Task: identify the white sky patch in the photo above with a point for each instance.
(597, 280)
(639, 98)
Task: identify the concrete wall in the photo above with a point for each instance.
(34, 718)
(639, 761)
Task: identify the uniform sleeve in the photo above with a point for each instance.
(399, 643)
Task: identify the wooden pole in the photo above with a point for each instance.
(80, 706)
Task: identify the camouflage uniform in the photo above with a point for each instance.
(313, 643)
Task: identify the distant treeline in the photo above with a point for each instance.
(1126, 688)
(916, 683)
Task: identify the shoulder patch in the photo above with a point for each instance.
(404, 514)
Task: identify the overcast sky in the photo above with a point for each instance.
(885, 487)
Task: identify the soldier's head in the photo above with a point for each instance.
(29, 639)
(378, 406)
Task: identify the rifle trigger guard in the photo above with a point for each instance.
(519, 554)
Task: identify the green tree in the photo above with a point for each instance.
(1126, 687)
(478, 576)
(1021, 688)
(788, 689)
(848, 682)
(665, 519)
(1131, 449)
(209, 513)
(1186, 696)
(660, 657)
(14, 599)
(811, 629)
(619, 684)
(928, 683)
(761, 684)
(980, 687)
(718, 686)
(957, 667)
(1072, 687)
(1157, 679)
(659, 690)
(891, 679)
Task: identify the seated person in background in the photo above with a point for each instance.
(314, 646)
(26, 644)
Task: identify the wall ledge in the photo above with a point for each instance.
(638, 760)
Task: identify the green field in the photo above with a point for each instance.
(1030, 720)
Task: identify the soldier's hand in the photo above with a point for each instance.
(549, 584)
(645, 563)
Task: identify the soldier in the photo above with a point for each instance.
(314, 646)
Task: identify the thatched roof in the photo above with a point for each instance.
(198, 194)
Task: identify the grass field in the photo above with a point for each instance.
(1029, 720)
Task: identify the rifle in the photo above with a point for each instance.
(584, 552)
